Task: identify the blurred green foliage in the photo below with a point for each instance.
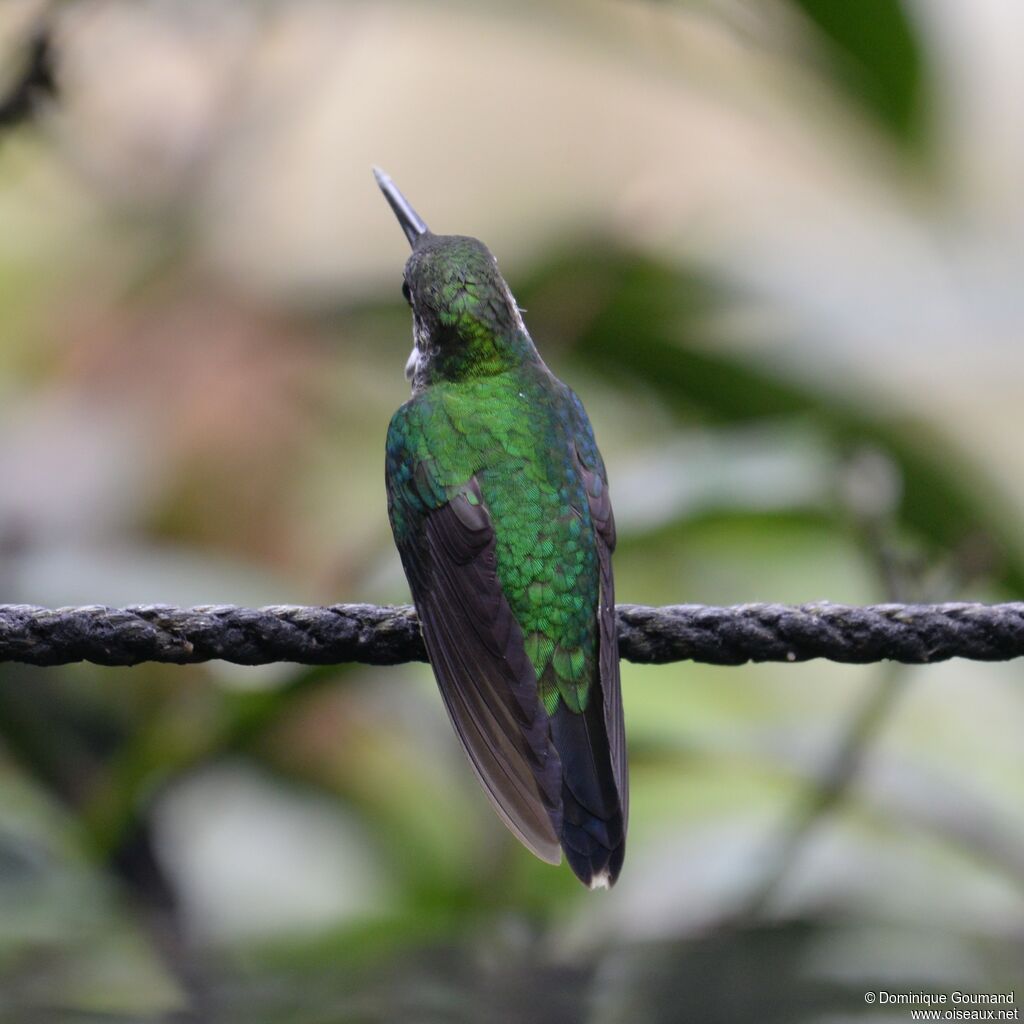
(879, 60)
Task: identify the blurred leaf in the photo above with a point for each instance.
(764, 471)
(69, 948)
(878, 60)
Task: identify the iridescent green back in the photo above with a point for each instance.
(514, 433)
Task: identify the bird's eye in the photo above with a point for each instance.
(406, 294)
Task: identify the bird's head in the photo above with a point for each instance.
(465, 321)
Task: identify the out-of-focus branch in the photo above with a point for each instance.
(870, 491)
(35, 82)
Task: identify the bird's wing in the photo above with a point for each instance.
(446, 541)
(595, 482)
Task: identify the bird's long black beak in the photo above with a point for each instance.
(412, 223)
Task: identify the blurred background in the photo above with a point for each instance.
(776, 249)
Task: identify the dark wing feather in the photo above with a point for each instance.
(476, 649)
(595, 482)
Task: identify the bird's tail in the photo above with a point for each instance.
(593, 826)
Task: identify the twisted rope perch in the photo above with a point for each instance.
(912, 634)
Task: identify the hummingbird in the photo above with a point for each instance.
(499, 505)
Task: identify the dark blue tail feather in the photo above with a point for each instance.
(593, 831)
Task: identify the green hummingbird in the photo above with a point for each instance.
(499, 505)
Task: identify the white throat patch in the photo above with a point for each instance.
(411, 363)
